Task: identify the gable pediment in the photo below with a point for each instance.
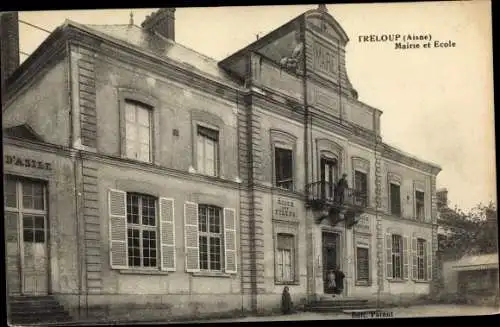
(326, 25)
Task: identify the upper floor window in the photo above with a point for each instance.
(138, 131)
(329, 176)
(395, 196)
(361, 187)
(141, 230)
(420, 205)
(207, 150)
(210, 229)
(283, 160)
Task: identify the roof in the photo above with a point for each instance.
(157, 45)
(477, 262)
(411, 156)
(22, 131)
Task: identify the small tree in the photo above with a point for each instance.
(472, 232)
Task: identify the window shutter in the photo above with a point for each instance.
(428, 254)
(414, 257)
(388, 259)
(230, 239)
(406, 259)
(167, 234)
(191, 237)
(117, 204)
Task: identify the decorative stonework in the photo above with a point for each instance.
(91, 234)
(87, 97)
(379, 230)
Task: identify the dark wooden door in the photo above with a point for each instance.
(330, 255)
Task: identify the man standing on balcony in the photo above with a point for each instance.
(341, 187)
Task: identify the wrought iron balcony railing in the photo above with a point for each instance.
(325, 194)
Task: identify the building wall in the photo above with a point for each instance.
(64, 267)
(44, 105)
(177, 107)
(410, 178)
(411, 230)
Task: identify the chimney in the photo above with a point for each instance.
(161, 22)
(9, 45)
(442, 198)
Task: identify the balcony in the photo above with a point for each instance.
(327, 202)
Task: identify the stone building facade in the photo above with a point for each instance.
(146, 179)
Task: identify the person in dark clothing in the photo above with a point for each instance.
(341, 187)
(339, 281)
(286, 301)
(331, 282)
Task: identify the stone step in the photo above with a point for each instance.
(337, 309)
(36, 310)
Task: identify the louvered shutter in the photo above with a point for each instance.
(388, 256)
(117, 204)
(167, 234)
(428, 254)
(414, 258)
(191, 237)
(230, 240)
(406, 259)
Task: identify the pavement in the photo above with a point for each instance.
(400, 312)
(414, 311)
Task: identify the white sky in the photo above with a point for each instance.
(437, 103)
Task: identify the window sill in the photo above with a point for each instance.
(422, 281)
(142, 272)
(398, 280)
(287, 283)
(361, 283)
(212, 274)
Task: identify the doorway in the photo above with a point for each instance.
(26, 236)
(330, 255)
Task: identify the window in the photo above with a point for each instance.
(210, 237)
(283, 160)
(207, 150)
(419, 205)
(25, 201)
(361, 187)
(141, 231)
(285, 258)
(421, 259)
(395, 199)
(138, 131)
(362, 264)
(328, 176)
(397, 256)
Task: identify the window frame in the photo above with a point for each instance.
(280, 277)
(417, 202)
(399, 254)
(423, 257)
(363, 282)
(283, 140)
(141, 227)
(400, 213)
(21, 211)
(287, 228)
(291, 180)
(363, 166)
(208, 235)
(217, 147)
(361, 171)
(137, 96)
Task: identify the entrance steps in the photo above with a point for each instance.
(34, 310)
(338, 304)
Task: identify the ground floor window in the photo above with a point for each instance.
(141, 231)
(362, 264)
(285, 258)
